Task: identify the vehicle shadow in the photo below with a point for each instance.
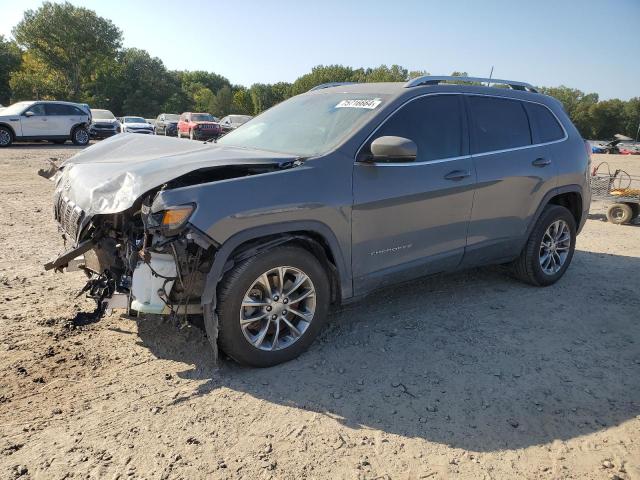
(474, 360)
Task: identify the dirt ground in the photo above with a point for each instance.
(471, 375)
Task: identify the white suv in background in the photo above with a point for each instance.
(44, 120)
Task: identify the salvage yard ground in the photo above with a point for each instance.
(471, 375)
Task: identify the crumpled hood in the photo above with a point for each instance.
(110, 176)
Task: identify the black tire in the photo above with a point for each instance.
(6, 137)
(619, 213)
(80, 136)
(527, 266)
(236, 283)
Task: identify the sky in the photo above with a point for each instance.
(591, 45)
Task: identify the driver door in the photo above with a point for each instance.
(36, 125)
(411, 218)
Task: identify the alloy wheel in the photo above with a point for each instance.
(555, 246)
(5, 137)
(82, 137)
(277, 308)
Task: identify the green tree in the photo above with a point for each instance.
(10, 60)
(322, 74)
(223, 102)
(607, 118)
(34, 81)
(71, 40)
(632, 117)
(242, 102)
(395, 73)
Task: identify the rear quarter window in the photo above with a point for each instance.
(544, 124)
(498, 124)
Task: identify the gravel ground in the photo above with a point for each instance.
(471, 375)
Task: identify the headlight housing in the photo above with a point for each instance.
(175, 217)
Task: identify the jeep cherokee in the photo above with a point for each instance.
(322, 199)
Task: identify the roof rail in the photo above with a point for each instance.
(430, 80)
(329, 85)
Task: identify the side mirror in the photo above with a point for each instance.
(393, 149)
(29, 113)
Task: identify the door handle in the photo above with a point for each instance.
(457, 175)
(541, 162)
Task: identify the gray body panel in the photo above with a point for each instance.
(383, 223)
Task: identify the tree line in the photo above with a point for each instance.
(61, 51)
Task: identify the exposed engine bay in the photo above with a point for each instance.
(140, 260)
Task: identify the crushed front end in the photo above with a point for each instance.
(147, 262)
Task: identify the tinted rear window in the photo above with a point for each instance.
(544, 124)
(434, 123)
(62, 109)
(498, 124)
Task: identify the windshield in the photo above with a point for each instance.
(102, 115)
(202, 117)
(171, 117)
(134, 120)
(306, 125)
(16, 108)
(239, 118)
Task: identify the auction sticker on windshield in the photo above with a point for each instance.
(369, 103)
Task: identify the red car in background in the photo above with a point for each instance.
(198, 126)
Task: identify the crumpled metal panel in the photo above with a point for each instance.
(111, 175)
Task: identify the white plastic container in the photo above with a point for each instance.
(145, 285)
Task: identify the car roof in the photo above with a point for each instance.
(399, 89)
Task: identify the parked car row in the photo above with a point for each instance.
(59, 121)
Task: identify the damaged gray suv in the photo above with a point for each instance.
(322, 199)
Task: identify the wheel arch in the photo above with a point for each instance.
(569, 196)
(76, 125)
(10, 128)
(314, 236)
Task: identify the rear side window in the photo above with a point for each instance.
(498, 124)
(544, 124)
(62, 109)
(434, 123)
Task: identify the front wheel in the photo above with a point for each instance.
(272, 306)
(6, 138)
(80, 136)
(549, 249)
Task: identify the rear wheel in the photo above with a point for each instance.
(619, 213)
(80, 136)
(272, 306)
(549, 249)
(6, 137)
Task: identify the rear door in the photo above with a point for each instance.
(36, 125)
(63, 117)
(410, 218)
(515, 171)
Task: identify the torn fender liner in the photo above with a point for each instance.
(110, 176)
(69, 255)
